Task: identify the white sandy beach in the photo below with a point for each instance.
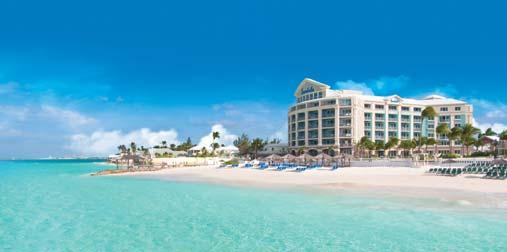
(411, 182)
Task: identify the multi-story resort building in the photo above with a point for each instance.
(327, 120)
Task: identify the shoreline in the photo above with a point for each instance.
(400, 182)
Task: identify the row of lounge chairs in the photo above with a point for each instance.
(281, 166)
(490, 171)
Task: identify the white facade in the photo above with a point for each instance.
(278, 149)
(324, 119)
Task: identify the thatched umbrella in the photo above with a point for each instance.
(323, 157)
(273, 157)
(289, 157)
(304, 157)
(499, 161)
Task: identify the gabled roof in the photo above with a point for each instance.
(308, 81)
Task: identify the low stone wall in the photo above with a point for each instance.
(187, 161)
(382, 163)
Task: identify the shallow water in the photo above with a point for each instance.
(56, 206)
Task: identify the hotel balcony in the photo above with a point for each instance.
(380, 119)
(393, 119)
(405, 129)
(393, 128)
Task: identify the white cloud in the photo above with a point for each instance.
(106, 142)
(491, 110)
(352, 85)
(16, 112)
(69, 117)
(280, 134)
(496, 127)
(383, 84)
(226, 138)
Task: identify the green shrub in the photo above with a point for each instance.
(450, 155)
(234, 161)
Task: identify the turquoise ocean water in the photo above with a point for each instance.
(56, 206)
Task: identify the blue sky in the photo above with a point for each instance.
(76, 76)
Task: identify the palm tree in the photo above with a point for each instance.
(468, 133)
(164, 144)
(215, 146)
(379, 146)
(243, 144)
(420, 142)
(215, 135)
(391, 143)
(301, 150)
(407, 145)
(454, 135)
(490, 132)
(429, 113)
(257, 144)
(443, 130)
(431, 141)
(503, 135)
(365, 143)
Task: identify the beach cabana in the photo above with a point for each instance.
(323, 157)
(289, 158)
(273, 157)
(304, 158)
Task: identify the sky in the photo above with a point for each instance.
(78, 78)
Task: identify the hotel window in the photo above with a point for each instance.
(301, 142)
(313, 114)
(301, 125)
(293, 136)
(327, 123)
(405, 135)
(327, 133)
(379, 134)
(367, 133)
(313, 124)
(393, 117)
(405, 127)
(301, 135)
(380, 117)
(444, 118)
(393, 134)
(457, 108)
(405, 109)
(367, 106)
(393, 126)
(345, 102)
(329, 102)
(313, 134)
(328, 113)
(313, 142)
(444, 109)
(367, 116)
(328, 141)
(417, 126)
(293, 118)
(367, 125)
(345, 112)
(417, 110)
(301, 116)
(379, 106)
(417, 134)
(320, 94)
(393, 107)
(405, 118)
(293, 127)
(379, 125)
(293, 143)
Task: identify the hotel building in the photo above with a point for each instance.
(324, 119)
